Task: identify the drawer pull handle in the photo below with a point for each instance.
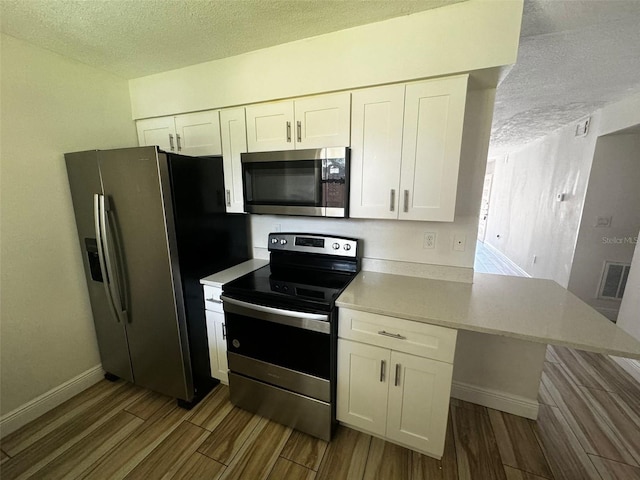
(392, 335)
(397, 380)
(212, 300)
(382, 369)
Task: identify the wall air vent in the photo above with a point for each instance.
(614, 279)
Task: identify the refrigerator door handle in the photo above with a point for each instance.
(106, 279)
(114, 284)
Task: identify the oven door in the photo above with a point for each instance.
(291, 350)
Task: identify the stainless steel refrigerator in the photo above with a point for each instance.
(150, 225)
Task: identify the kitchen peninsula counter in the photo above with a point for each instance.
(529, 309)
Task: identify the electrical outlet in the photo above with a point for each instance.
(429, 240)
(459, 242)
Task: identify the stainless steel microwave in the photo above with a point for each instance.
(312, 182)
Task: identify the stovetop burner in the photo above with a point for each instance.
(307, 273)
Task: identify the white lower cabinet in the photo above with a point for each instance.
(216, 333)
(401, 397)
(217, 346)
(362, 386)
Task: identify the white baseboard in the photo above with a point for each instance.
(632, 367)
(24, 414)
(505, 402)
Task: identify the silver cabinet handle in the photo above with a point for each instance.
(178, 141)
(97, 210)
(392, 200)
(228, 192)
(288, 131)
(224, 332)
(214, 300)
(383, 365)
(406, 200)
(397, 380)
(393, 335)
(171, 141)
(299, 131)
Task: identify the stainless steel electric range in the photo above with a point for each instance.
(281, 324)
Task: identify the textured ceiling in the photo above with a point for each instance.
(134, 38)
(575, 55)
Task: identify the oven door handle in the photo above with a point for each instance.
(307, 321)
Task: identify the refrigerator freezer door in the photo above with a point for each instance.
(141, 239)
(84, 182)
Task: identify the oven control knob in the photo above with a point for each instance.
(274, 240)
(347, 247)
(235, 343)
(336, 246)
(283, 242)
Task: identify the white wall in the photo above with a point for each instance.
(467, 36)
(613, 191)
(50, 105)
(396, 245)
(524, 217)
(629, 315)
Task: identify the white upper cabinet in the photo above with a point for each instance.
(323, 121)
(234, 142)
(433, 120)
(314, 122)
(196, 134)
(376, 150)
(270, 127)
(157, 131)
(406, 150)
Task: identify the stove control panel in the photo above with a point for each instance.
(312, 243)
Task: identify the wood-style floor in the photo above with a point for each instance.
(588, 428)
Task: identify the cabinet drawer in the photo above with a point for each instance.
(424, 340)
(212, 298)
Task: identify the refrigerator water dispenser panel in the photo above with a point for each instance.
(91, 247)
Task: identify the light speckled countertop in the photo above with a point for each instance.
(526, 308)
(220, 278)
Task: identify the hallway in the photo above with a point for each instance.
(489, 261)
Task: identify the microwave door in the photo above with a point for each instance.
(292, 187)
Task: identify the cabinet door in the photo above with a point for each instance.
(433, 119)
(361, 397)
(212, 341)
(222, 373)
(419, 391)
(323, 121)
(234, 142)
(376, 150)
(216, 335)
(270, 127)
(157, 131)
(198, 134)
